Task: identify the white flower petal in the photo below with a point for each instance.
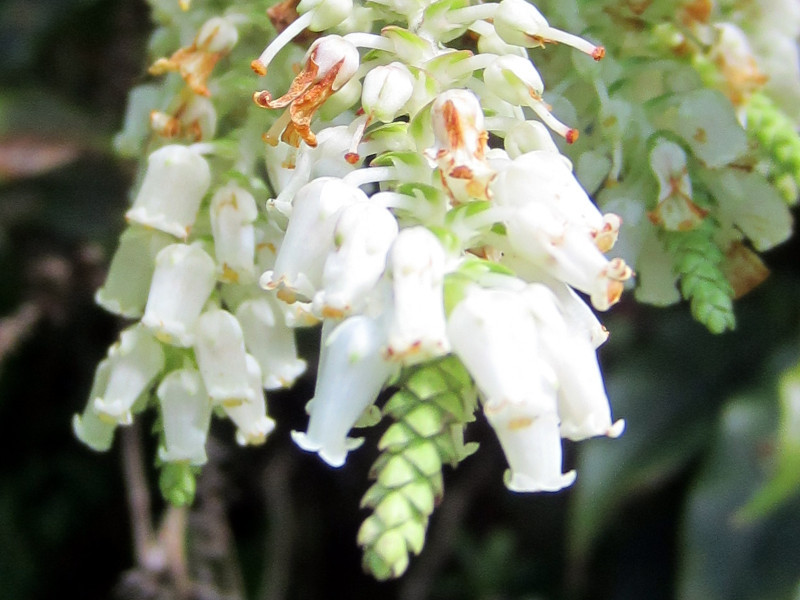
(186, 415)
(174, 184)
(219, 348)
(182, 282)
(351, 374)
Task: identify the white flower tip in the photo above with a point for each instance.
(616, 429)
(267, 281)
(288, 374)
(595, 424)
(113, 411)
(334, 456)
(258, 67)
(92, 437)
(519, 482)
(256, 433)
(195, 458)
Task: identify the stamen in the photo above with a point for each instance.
(352, 156)
(471, 14)
(471, 64)
(556, 35)
(273, 135)
(260, 64)
(369, 40)
(543, 112)
(367, 175)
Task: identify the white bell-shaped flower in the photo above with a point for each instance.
(386, 91)
(134, 361)
(566, 252)
(174, 184)
(518, 22)
(270, 341)
(233, 210)
(309, 237)
(497, 337)
(182, 282)
(220, 351)
(91, 427)
(351, 374)
(250, 417)
(128, 282)
(532, 445)
(362, 238)
(185, 415)
(542, 177)
(416, 268)
(582, 401)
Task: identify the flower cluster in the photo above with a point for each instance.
(401, 191)
(392, 221)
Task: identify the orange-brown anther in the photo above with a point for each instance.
(572, 136)
(194, 63)
(615, 289)
(259, 68)
(305, 96)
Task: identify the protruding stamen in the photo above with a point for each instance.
(364, 176)
(352, 155)
(556, 35)
(369, 40)
(543, 112)
(261, 64)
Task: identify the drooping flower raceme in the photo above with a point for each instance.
(390, 215)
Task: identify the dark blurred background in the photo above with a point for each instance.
(655, 514)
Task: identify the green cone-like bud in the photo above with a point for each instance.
(698, 262)
(774, 133)
(434, 403)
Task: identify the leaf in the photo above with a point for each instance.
(706, 121)
(784, 484)
(747, 201)
(656, 281)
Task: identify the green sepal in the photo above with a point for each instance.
(177, 483)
